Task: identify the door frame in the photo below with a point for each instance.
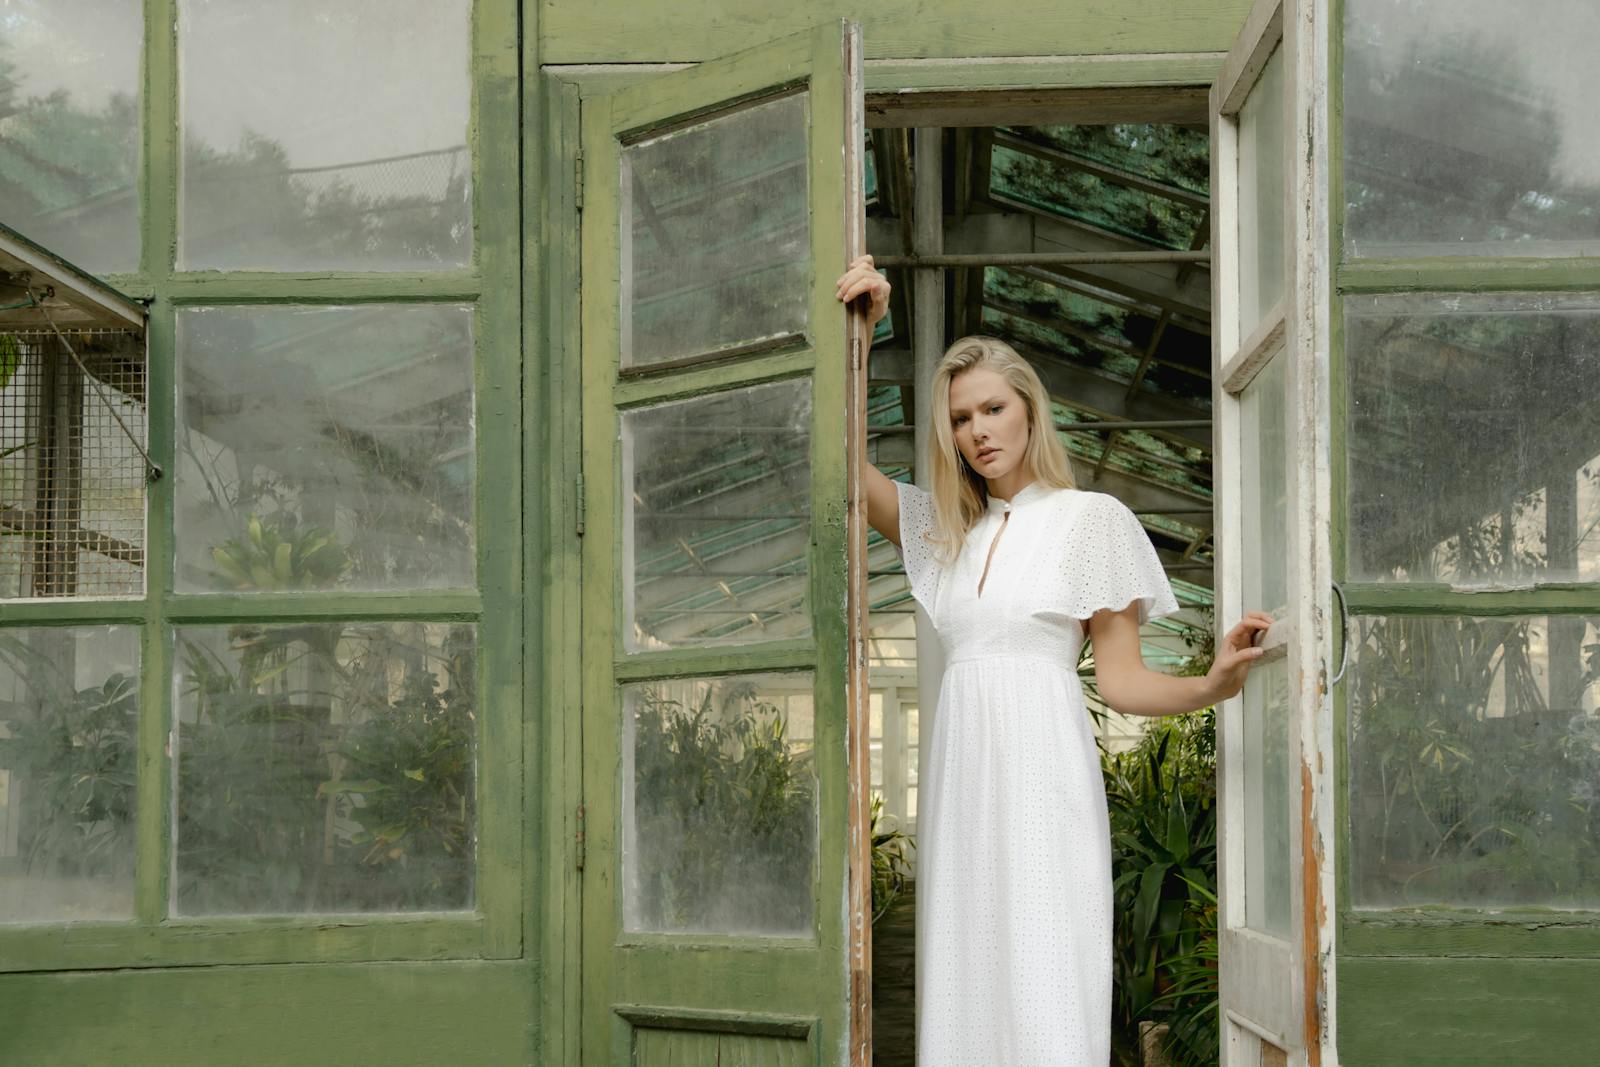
(913, 92)
(1298, 331)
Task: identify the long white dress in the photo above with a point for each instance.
(1013, 858)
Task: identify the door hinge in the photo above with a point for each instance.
(578, 838)
(577, 181)
(583, 505)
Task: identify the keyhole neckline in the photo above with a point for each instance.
(1032, 491)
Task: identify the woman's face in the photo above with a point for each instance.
(989, 421)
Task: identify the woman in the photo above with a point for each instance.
(1016, 568)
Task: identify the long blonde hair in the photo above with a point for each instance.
(961, 494)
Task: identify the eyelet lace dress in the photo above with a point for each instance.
(1013, 858)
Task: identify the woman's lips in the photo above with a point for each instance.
(987, 453)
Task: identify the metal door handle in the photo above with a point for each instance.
(1344, 636)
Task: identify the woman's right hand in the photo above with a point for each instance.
(862, 279)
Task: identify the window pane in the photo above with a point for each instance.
(1475, 762)
(72, 480)
(719, 807)
(325, 136)
(324, 768)
(1264, 478)
(1474, 438)
(1468, 128)
(1263, 247)
(325, 448)
(1264, 457)
(1267, 798)
(717, 518)
(716, 236)
(69, 728)
(70, 127)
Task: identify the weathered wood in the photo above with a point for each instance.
(1038, 259)
(1529, 1012)
(615, 31)
(282, 1016)
(748, 974)
(1037, 107)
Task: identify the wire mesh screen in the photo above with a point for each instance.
(72, 480)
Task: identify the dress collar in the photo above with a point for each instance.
(1034, 490)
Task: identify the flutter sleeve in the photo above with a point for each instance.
(1109, 562)
(916, 551)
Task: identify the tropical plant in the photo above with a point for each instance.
(724, 813)
(279, 553)
(78, 749)
(890, 865)
(325, 768)
(1161, 795)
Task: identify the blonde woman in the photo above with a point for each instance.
(1017, 567)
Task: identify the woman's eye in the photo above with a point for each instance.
(996, 408)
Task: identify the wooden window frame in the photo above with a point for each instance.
(494, 927)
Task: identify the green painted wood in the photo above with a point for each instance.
(374, 1014)
(730, 1022)
(1445, 986)
(630, 31)
(1467, 1011)
(555, 674)
(447, 605)
(493, 285)
(692, 662)
(497, 193)
(1432, 599)
(1469, 275)
(801, 976)
(674, 1048)
(1056, 72)
(655, 388)
(1470, 932)
(688, 1048)
(84, 613)
(324, 287)
(265, 939)
(158, 162)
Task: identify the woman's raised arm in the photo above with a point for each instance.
(862, 281)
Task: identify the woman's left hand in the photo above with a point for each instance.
(1236, 654)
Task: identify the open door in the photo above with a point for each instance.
(1275, 762)
(726, 892)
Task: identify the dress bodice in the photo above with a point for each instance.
(1064, 554)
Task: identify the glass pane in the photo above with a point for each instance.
(1267, 798)
(719, 806)
(1264, 456)
(325, 448)
(325, 136)
(324, 767)
(70, 127)
(1264, 478)
(1468, 128)
(69, 729)
(717, 518)
(716, 235)
(72, 480)
(1475, 762)
(1474, 438)
(1263, 189)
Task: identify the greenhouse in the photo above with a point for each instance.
(438, 618)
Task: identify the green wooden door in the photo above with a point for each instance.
(720, 899)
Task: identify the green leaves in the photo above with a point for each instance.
(1162, 800)
(277, 554)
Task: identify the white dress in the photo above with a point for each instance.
(1013, 858)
